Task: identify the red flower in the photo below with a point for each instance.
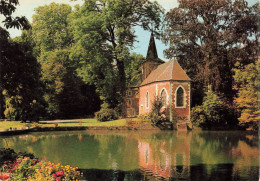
(59, 173)
(58, 178)
(5, 177)
(54, 175)
(35, 160)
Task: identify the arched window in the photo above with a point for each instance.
(164, 97)
(180, 97)
(147, 100)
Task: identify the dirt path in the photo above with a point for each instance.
(59, 121)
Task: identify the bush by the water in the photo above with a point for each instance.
(155, 119)
(106, 114)
(157, 116)
(213, 113)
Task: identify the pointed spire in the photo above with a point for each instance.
(152, 51)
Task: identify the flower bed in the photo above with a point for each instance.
(27, 167)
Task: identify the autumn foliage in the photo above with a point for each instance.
(247, 98)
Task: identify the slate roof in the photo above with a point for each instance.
(170, 70)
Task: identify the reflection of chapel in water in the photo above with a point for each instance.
(169, 159)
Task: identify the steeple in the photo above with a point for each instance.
(152, 51)
(152, 61)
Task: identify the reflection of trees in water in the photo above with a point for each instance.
(234, 152)
(204, 152)
(103, 151)
(217, 147)
(164, 154)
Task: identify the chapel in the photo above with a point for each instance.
(159, 79)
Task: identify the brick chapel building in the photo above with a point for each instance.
(166, 80)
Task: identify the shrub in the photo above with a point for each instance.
(12, 111)
(7, 154)
(144, 117)
(106, 114)
(198, 116)
(20, 108)
(155, 119)
(157, 105)
(213, 113)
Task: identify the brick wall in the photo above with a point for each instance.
(185, 110)
(153, 90)
(156, 89)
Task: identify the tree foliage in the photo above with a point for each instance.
(213, 113)
(50, 27)
(133, 69)
(53, 40)
(247, 99)
(7, 8)
(208, 37)
(103, 33)
(22, 89)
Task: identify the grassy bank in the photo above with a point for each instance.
(65, 123)
(11, 124)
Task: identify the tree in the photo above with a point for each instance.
(21, 82)
(7, 8)
(63, 92)
(214, 113)
(247, 98)
(52, 40)
(103, 32)
(133, 69)
(208, 37)
(50, 27)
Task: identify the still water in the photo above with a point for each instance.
(147, 155)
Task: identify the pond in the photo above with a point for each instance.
(147, 155)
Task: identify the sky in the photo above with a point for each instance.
(26, 8)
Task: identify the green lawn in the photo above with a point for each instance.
(13, 124)
(84, 122)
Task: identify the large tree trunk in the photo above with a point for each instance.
(122, 78)
(1, 94)
(1, 104)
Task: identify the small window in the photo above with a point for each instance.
(129, 93)
(180, 97)
(164, 97)
(147, 100)
(129, 102)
